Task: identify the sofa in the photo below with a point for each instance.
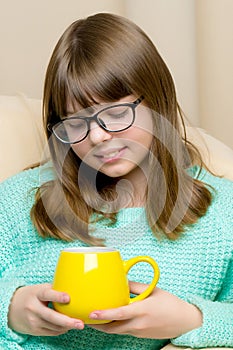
(22, 142)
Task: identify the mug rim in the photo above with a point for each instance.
(89, 250)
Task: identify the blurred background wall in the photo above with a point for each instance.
(195, 38)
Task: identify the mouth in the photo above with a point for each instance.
(111, 155)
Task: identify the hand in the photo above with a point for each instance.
(29, 312)
(162, 315)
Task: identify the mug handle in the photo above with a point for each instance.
(129, 263)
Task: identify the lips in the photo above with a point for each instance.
(111, 154)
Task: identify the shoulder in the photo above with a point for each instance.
(219, 185)
(222, 188)
(220, 212)
(19, 190)
(212, 233)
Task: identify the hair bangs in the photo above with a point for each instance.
(86, 85)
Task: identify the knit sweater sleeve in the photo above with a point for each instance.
(217, 327)
(12, 204)
(16, 199)
(8, 283)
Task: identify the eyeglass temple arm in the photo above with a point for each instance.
(140, 99)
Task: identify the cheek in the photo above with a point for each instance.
(145, 130)
(144, 119)
(80, 150)
(144, 144)
(84, 152)
(143, 135)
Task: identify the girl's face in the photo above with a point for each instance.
(118, 154)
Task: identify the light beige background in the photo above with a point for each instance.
(195, 38)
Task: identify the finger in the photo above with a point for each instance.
(57, 319)
(137, 288)
(116, 327)
(50, 333)
(105, 329)
(52, 327)
(63, 327)
(42, 327)
(124, 312)
(49, 294)
(117, 314)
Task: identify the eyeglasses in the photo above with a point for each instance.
(113, 118)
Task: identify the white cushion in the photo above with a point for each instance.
(21, 134)
(217, 156)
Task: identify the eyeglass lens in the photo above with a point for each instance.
(114, 118)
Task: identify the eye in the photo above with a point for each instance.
(74, 122)
(117, 112)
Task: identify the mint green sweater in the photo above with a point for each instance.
(197, 267)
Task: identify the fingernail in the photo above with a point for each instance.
(94, 315)
(65, 298)
(78, 325)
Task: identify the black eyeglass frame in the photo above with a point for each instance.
(95, 118)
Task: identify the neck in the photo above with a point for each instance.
(134, 187)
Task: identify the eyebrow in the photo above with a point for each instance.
(89, 110)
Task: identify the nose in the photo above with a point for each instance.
(98, 134)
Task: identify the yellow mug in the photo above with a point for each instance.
(96, 279)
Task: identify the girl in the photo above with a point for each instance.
(121, 174)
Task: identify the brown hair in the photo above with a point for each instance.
(109, 57)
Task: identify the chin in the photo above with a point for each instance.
(117, 171)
